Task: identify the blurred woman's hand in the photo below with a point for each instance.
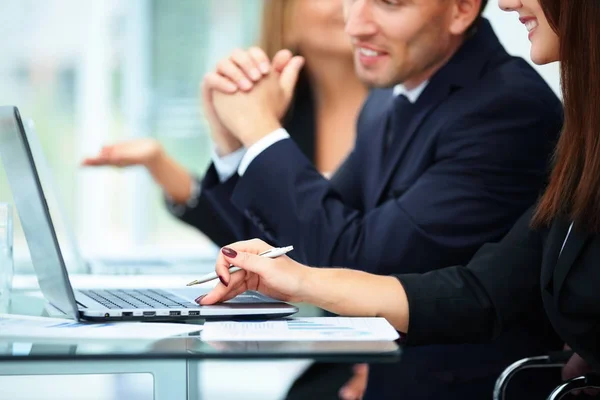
(355, 388)
(172, 177)
(280, 278)
(144, 152)
(577, 366)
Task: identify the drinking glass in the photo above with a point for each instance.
(6, 255)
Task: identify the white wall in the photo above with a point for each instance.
(513, 36)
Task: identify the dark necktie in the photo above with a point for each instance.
(399, 118)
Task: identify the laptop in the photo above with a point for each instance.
(102, 304)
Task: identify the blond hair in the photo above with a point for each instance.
(277, 23)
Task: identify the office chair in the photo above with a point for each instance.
(552, 360)
(581, 382)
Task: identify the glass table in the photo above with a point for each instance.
(173, 362)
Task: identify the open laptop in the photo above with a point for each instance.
(104, 304)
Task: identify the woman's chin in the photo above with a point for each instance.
(542, 58)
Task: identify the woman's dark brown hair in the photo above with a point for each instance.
(574, 188)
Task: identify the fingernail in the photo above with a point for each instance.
(264, 67)
(223, 281)
(199, 299)
(229, 252)
(255, 74)
(244, 84)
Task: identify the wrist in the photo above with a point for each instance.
(306, 281)
(156, 160)
(257, 129)
(227, 146)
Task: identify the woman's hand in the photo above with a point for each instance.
(333, 289)
(172, 177)
(355, 388)
(280, 278)
(144, 152)
(577, 366)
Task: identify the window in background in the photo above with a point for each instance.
(92, 72)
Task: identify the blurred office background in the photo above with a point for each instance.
(92, 72)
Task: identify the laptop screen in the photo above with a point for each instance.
(34, 214)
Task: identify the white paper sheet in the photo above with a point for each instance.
(309, 329)
(20, 326)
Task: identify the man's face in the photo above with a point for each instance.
(398, 41)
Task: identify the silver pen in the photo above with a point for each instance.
(271, 253)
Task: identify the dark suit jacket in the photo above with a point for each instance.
(508, 282)
(474, 159)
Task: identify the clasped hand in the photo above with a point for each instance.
(247, 95)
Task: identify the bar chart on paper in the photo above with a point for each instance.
(309, 329)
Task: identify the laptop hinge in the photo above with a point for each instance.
(80, 304)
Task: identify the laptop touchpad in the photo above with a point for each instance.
(190, 294)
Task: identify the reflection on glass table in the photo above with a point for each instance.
(173, 362)
(193, 348)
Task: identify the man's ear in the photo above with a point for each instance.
(464, 14)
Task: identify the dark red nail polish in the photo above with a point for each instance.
(223, 281)
(229, 252)
(199, 299)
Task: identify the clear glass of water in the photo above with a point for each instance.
(6, 255)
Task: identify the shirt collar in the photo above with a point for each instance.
(413, 94)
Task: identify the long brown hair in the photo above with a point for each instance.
(574, 188)
(276, 22)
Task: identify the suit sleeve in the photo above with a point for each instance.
(217, 219)
(487, 167)
(344, 182)
(496, 290)
(204, 218)
(229, 223)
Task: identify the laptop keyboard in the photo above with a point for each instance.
(137, 298)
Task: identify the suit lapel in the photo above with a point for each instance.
(461, 70)
(433, 95)
(377, 125)
(575, 242)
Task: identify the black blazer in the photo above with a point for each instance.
(508, 282)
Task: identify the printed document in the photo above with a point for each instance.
(21, 326)
(301, 329)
